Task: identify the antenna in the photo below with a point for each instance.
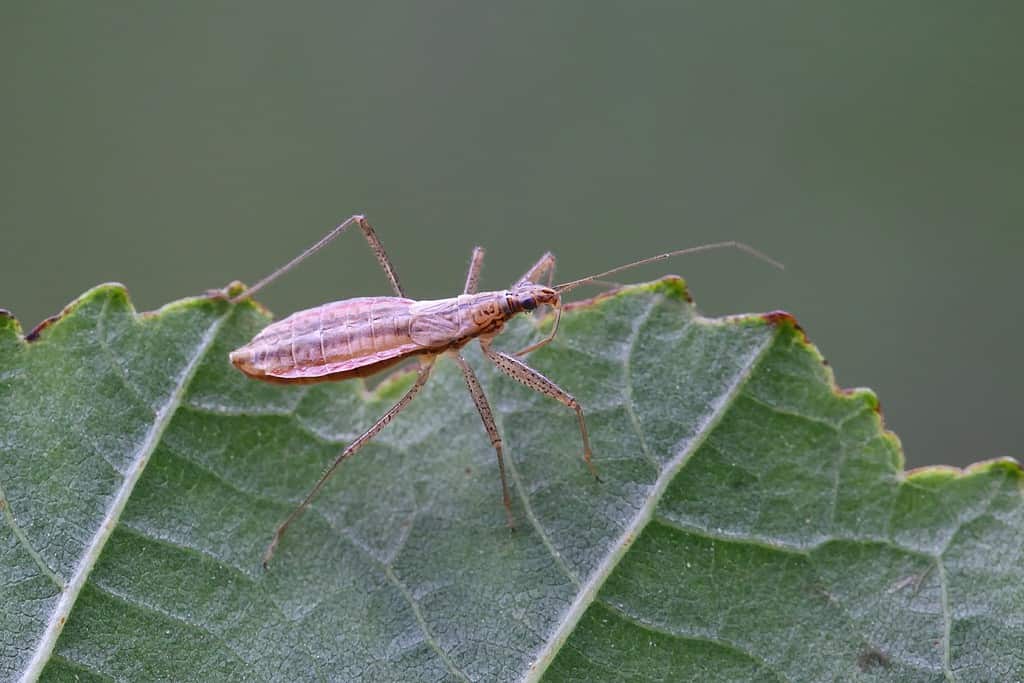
(568, 286)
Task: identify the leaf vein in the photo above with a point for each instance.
(807, 550)
(947, 618)
(19, 534)
(421, 621)
(692, 637)
(72, 664)
(628, 375)
(832, 426)
(140, 606)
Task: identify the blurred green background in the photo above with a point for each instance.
(875, 147)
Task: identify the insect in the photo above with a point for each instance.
(363, 336)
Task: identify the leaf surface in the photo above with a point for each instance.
(752, 523)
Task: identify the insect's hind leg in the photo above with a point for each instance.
(361, 440)
(487, 417)
(524, 374)
(382, 256)
(368, 233)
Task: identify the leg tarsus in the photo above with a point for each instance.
(271, 548)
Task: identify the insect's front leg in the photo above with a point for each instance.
(524, 374)
(361, 440)
(487, 417)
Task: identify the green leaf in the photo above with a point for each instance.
(753, 522)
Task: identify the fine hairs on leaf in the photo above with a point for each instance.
(754, 522)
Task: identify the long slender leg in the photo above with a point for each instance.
(484, 408)
(545, 264)
(523, 373)
(382, 256)
(360, 441)
(476, 262)
(371, 238)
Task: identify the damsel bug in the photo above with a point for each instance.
(361, 337)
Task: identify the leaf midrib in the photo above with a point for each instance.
(588, 591)
(57, 619)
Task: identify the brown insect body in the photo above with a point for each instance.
(362, 336)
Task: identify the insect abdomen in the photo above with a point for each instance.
(358, 336)
(335, 337)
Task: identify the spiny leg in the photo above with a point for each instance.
(523, 373)
(361, 440)
(484, 408)
(476, 262)
(371, 238)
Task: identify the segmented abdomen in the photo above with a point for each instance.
(335, 336)
(349, 337)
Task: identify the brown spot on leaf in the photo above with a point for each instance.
(871, 659)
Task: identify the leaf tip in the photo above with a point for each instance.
(781, 318)
(9, 325)
(235, 287)
(672, 286)
(112, 290)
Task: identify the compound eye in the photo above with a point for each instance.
(528, 302)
